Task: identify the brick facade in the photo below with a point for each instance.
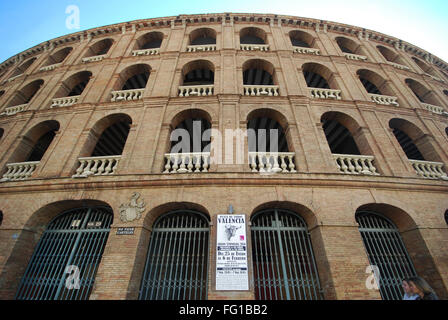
(325, 198)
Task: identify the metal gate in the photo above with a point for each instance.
(284, 265)
(386, 250)
(177, 261)
(65, 261)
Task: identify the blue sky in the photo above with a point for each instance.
(26, 23)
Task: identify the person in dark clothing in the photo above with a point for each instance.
(421, 287)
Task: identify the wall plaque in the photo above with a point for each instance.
(125, 231)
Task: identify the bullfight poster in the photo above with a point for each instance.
(231, 253)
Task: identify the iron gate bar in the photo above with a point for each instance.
(391, 253)
(62, 242)
(280, 234)
(177, 259)
(378, 252)
(385, 249)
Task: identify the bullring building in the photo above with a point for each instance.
(122, 146)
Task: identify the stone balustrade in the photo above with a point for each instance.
(398, 66)
(250, 90)
(98, 166)
(127, 95)
(304, 50)
(429, 169)
(14, 78)
(201, 90)
(355, 164)
(14, 109)
(432, 108)
(94, 58)
(202, 47)
(254, 47)
(384, 100)
(357, 57)
(146, 52)
(50, 67)
(187, 162)
(325, 93)
(65, 101)
(434, 77)
(19, 171)
(272, 162)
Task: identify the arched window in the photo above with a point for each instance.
(314, 77)
(2, 92)
(131, 83)
(349, 46)
(445, 92)
(321, 81)
(113, 139)
(422, 93)
(58, 57)
(391, 56)
(134, 77)
(72, 244)
(259, 78)
(202, 36)
(36, 142)
(74, 85)
(446, 216)
(376, 85)
(407, 145)
(151, 40)
(22, 68)
(283, 258)
(301, 39)
(1, 217)
(386, 252)
(99, 48)
(424, 67)
(339, 138)
(198, 72)
(252, 35)
(348, 144)
(102, 151)
(177, 260)
(2, 131)
(258, 72)
(189, 143)
(198, 78)
(268, 142)
(24, 95)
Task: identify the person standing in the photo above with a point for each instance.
(420, 287)
(408, 294)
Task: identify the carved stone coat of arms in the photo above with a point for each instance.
(133, 210)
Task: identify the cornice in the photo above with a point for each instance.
(230, 18)
(223, 180)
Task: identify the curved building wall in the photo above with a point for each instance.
(86, 120)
